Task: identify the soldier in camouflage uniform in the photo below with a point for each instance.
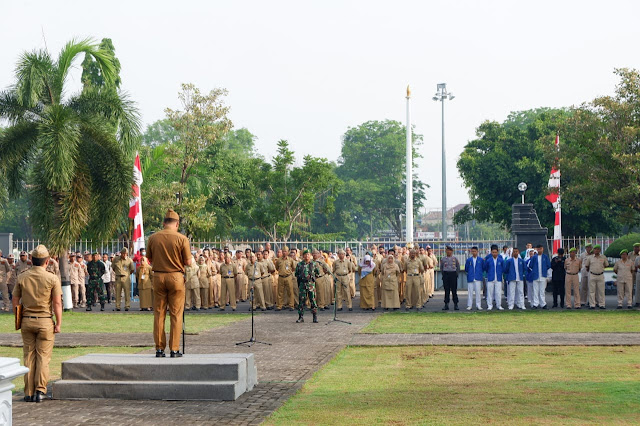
(96, 270)
(306, 273)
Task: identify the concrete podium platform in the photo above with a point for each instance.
(213, 377)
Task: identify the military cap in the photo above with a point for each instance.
(623, 251)
(96, 252)
(23, 253)
(597, 246)
(124, 250)
(87, 252)
(40, 252)
(11, 256)
(572, 249)
(305, 251)
(171, 215)
(285, 248)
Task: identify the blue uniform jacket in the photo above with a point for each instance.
(510, 269)
(493, 273)
(532, 267)
(474, 275)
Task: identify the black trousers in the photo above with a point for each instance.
(450, 283)
(558, 290)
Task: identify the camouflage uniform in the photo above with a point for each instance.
(96, 271)
(306, 274)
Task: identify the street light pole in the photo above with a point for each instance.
(441, 95)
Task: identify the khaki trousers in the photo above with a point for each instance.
(123, 284)
(204, 297)
(228, 292)
(344, 292)
(212, 293)
(321, 291)
(267, 289)
(596, 290)
(258, 293)
(625, 288)
(37, 339)
(241, 287)
(217, 282)
(584, 288)
(352, 284)
(571, 282)
(637, 296)
(4, 289)
(192, 298)
(431, 280)
(168, 289)
(285, 284)
(412, 291)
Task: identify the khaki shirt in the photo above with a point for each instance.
(414, 266)
(343, 267)
(240, 265)
(77, 273)
(268, 266)
(255, 271)
(168, 251)
(191, 279)
(53, 267)
(285, 266)
(122, 266)
(37, 288)
(228, 270)
(434, 261)
(583, 258)
(22, 266)
(595, 264)
(5, 268)
(572, 266)
(323, 267)
(624, 270)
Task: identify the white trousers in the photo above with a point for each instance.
(516, 294)
(530, 292)
(494, 293)
(539, 287)
(477, 287)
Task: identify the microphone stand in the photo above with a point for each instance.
(183, 327)
(252, 340)
(335, 303)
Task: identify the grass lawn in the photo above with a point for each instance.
(62, 354)
(581, 321)
(471, 385)
(80, 322)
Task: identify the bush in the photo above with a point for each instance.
(622, 243)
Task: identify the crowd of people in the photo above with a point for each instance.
(220, 278)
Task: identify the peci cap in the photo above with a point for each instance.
(40, 252)
(171, 215)
(636, 245)
(597, 246)
(589, 245)
(572, 249)
(124, 250)
(623, 251)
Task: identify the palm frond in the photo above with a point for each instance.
(17, 145)
(12, 110)
(59, 137)
(72, 49)
(33, 77)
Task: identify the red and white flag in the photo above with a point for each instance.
(554, 198)
(135, 207)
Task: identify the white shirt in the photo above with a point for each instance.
(515, 263)
(107, 275)
(495, 268)
(540, 276)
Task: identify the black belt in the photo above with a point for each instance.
(413, 275)
(342, 275)
(320, 276)
(255, 279)
(265, 276)
(229, 278)
(285, 276)
(569, 273)
(24, 316)
(593, 273)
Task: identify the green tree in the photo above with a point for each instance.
(71, 155)
(239, 142)
(520, 150)
(160, 132)
(92, 74)
(372, 166)
(288, 193)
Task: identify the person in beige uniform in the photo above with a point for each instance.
(241, 277)
(40, 294)
(431, 272)
(624, 270)
(145, 284)
(255, 271)
(77, 274)
(285, 267)
(572, 266)
(228, 272)
(390, 272)
(414, 268)
(168, 251)
(5, 270)
(271, 255)
(352, 275)
(123, 267)
(584, 275)
(635, 258)
(323, 283)
(595, 265)
(204, 278)
(342, 267)
(53, 267)
(192, 286)
(267, 278)
(23, 263)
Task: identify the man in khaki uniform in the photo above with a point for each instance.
(431, 272)
(323, 283)
(168, 252)
(23, 263)
(271, 254)
(228, 271)
(572, 266)
(255, 271)
(123, 267)
(40, 294)
(5, 271)
(595, 265)
(77, 273)
(192, 299)
(267, 283)
(414, 267)
(624, 270)
(584, 275)
(635, 258)
(285, 267)
(241, 277)
(342, 267)
(352, 276)
(53, 267)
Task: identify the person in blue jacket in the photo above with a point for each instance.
(493, 266)
(474, 266)
(537, 268)
(514, 271)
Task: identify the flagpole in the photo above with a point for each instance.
(409, 177)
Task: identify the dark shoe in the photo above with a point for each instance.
(339, 309)
(221, 309)
(591, 307)
(126, 309)
(619, 307)
(102, 306)
(176, 354)
(38, 397)
(544, 307)
(446, 308)
(300, 319)
(629, 307)
(278, 309)
(141, 309)
(350, 309)
(88, 308)
(455, 307)
(602, 307)
(233, 309)
(203, 309)
(637, 305)
(28, 398)
(406, 308)
(160, 353)
(291, 309)
(315, 318)
(554, 306)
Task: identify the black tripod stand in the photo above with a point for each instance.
(336, 283)
(252, 340)
(183, 326)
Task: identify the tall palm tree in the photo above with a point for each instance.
(72, 154)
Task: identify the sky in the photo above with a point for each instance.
(307, 71)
